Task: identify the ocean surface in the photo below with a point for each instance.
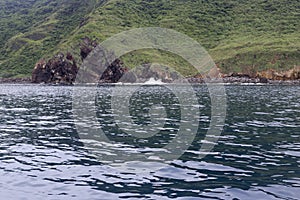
(43, 154)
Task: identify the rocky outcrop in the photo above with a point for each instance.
(113, 73)
(290, 75)
(58, 70)
(157, 72)
(117, 72)
(269, 76)
(63, 69)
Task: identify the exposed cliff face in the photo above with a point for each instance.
(63, 70)
(58, 70)
(293, 74)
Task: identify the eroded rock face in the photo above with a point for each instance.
(156, 71)
(58, 70)
(292, 74)
(117, 72)
(62, 69)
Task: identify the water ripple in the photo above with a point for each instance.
(257, 155)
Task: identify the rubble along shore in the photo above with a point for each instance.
(62, 70)
(235, 80)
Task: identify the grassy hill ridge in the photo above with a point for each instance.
(240, 35)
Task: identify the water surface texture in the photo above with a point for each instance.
(256, 157)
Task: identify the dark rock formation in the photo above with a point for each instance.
(263, 80)
(117, 72)
(63, 69)
(58, 70)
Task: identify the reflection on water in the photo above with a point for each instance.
(257, 155)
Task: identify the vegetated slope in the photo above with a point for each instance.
(241, 35)
(32, 29)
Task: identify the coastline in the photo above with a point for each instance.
(225, 81)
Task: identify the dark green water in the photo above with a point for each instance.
(256, 157)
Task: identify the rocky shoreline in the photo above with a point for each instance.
(227, 80)
(62, 70)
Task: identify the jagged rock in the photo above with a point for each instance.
(116, 72)
(292, 74)
(239, 75)
(113, 73)
(41, 73)
(156, 71)
(103, 73)
(263, 80)
(61, 69)
(57, 70)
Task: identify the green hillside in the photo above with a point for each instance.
(240, 35)
(33, 29)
